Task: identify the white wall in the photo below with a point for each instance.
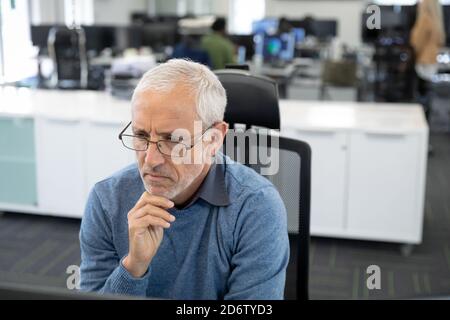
(117, 12)
(220, 8)
(182, 7)
(46, 11)
(346, 12)
(165, 6)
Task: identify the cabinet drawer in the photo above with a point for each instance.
(60, 160)
(328, 178)
(17, 138)
(383, 199)
(18, 182)
(17, 161)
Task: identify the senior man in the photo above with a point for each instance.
(178, 224)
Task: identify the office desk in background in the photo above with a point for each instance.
(368, 160)
(283, 74)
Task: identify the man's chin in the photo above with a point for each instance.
(159, 191)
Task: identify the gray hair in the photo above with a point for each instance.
(210, 95)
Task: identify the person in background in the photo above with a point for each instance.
(309, 25)
(427, 37)
(284, 26)
(221, 50)
(189, 48)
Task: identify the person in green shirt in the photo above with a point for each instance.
(221, 50)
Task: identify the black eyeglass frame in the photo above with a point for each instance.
(188, 147)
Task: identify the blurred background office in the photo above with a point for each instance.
(372, 102)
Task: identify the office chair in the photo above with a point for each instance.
(340, 74)
(293, 178)
(252, 100)
(67, 49)
(189, 47)
(439, 97)
(394, 73)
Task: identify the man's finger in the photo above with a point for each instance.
(150, 209)
(146, 221)
(153, 199)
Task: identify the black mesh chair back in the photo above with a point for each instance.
(252, 100)
(287, 164)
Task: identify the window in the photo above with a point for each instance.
(79, 12)
(243, 13)
(18, 54)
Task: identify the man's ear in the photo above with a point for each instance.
(222, 128)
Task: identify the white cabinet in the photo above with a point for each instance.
(17, 162)
(368, 167)
(328, 178)
(384, 202)
(72, 156)
(368, 159)
(105, 153)
(60, 166)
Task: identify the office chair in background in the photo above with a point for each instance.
(394, 73)
(339, 74)
(67, 49)
(253, 102)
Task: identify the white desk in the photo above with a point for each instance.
(368, 167)
(74, 135)
(368, 160)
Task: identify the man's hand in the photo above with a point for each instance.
(146, 221)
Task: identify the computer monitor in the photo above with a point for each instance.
(265, 26)
(307, 24)
(159, 35)
(395, 25)
(99, 37)
(39, 34)
(299, 34)
(368, 35)
(446, 16)
(246, 41)
(325, 29)
(391, 19)
(128, 37)
(140, 18)
(279, 48)
(13, 291)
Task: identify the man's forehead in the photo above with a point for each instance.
(163, 105)
(163, 111)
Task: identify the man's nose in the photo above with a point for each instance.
(152, 156)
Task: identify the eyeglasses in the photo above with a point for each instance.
(164, 146)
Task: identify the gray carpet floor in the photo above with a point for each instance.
(38, 249)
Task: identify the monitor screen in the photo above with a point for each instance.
(299, 34)
(246, 41)
(39, 35)
(446, 14)
(279, 47)
(265, 26)
(159, 35)
(324, 29)
(99, 37)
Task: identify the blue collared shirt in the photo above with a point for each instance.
(229, 242)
